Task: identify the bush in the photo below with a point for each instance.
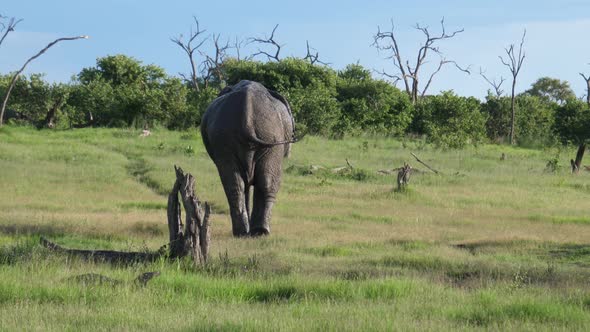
(451, 121)
(371, 106)
(120, 91)
(572, 122)
(533, 119)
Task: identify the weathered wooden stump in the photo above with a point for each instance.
(403, 176)
(193, 237)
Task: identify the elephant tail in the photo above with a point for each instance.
(263, 143)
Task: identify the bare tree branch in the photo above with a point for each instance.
(391, 46)
(394, 78)
(6, 28)
(496, 85)
(442, 62)
(13, 81)
(514, 64)
(313, 58)
(410, 74)
(213, 65)
(587, 79)
(270, 40)
(237, 45)
(189, 48)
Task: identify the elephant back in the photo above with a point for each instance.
(250, 112)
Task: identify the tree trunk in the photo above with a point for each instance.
(13, 80)
(49, 121)
(577, 164)
(513, 113)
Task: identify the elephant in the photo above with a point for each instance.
(247, 131)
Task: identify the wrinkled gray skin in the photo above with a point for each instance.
(247, 131)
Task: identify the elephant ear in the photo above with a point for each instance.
(225, 90)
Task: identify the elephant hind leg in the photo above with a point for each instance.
(261, 213)
(234, 187)
(267, 180)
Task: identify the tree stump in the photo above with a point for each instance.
(192, 237)
(403, 176)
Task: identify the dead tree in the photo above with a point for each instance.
(49, 121)
(423, 163)
(192, 239)
(496, 85)
(403, 177)
(213, 66)
(587, 79)
(410, 74)
(577, 164)
(313, 58)
(237, 45)
(189, 47)
(16, 75)
(270, 41)
(514, 64)
(7, 27)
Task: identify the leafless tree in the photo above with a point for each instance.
(312, 57)
(514, 64)
(189, 47)
(213, 64)
(270, 41)
(410, 74)
(7, 25)
(238, 45)
(587, 79)
(14, 78)
(496, 85)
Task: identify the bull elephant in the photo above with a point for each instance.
(247, 131)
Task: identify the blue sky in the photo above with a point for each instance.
(341, 31)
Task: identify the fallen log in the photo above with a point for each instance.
(108, 256)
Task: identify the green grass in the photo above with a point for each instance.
(486, 244)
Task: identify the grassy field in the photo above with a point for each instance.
(487, 244)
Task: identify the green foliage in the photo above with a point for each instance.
(120, 91)
(31, 98)
(371, 106)
(553, 164)
(534, 119)
(552, 90)
(497, 110)
(329, 103)
(451, 121)
(572, 121)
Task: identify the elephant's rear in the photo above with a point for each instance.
(245, 118)
(247, 131)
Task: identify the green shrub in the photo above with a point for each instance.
(451, 121)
